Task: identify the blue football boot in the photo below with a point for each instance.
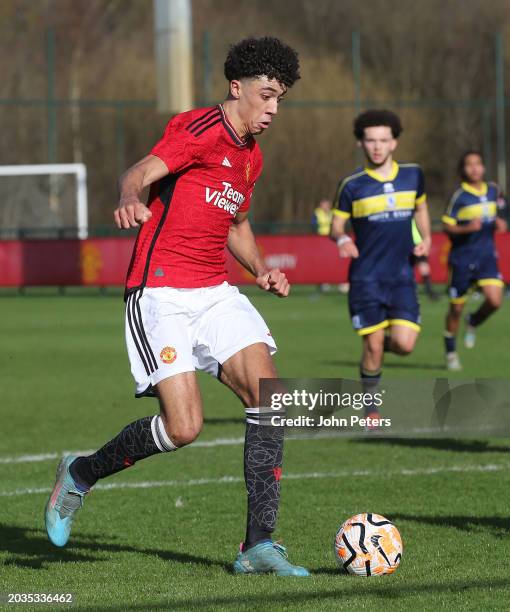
(267, 558)
(65, 500)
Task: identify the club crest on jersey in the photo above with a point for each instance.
(168, 354)
(388, 188)
(247, 172)
(229, 199)
(391, 200)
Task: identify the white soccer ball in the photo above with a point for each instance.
(368, 545)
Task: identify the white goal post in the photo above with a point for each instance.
(80, 172)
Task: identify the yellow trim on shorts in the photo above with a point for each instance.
(496, 282)
(483, 282)
(405, 323)
(364, 331)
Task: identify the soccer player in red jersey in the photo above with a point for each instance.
(181, 313)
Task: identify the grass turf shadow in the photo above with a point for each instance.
(498, 526)
(225, 421)
(348, 363)
(382, 588)
(446, 444)
(30, 548)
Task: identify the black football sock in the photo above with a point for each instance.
(449, 342)
(370, 383)
(482, 314)
(140, 439)
(428, 285)
(263, 456)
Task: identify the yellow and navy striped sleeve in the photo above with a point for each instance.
(342, 205)
(451, 212)
(344, 197)
(421, 196)
(418, 176)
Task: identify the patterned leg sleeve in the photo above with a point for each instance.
(138, 440)
(263, 455)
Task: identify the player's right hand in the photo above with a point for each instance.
(348, 249)
(131, 213)
(275, 282)
(475, 225)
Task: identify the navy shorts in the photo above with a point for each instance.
(464, 275)
(375, 305)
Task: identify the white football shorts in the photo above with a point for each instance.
(170, 331)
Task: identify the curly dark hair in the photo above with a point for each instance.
(462, 162)
(255, 57)
(376, 118)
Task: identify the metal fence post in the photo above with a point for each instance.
(486, 136)
(500, 112)
(50, 96)
(120, 137)
(206, 68)
(356, 74)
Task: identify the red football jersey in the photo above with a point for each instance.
(212, 173)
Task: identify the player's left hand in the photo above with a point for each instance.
(275, 282)
(423, 248)
(501, 225)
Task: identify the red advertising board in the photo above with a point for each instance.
(308, 259)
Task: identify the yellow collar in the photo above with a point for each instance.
(379, 177)
(473, 190)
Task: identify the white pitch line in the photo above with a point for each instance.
(41, 457)
(28, 458)
(7, 460)
(51, 456)
(56, 455)
(154, 484)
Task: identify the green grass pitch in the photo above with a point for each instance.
(168, 543)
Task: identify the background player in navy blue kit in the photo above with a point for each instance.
(470, 219)
(381, 201)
